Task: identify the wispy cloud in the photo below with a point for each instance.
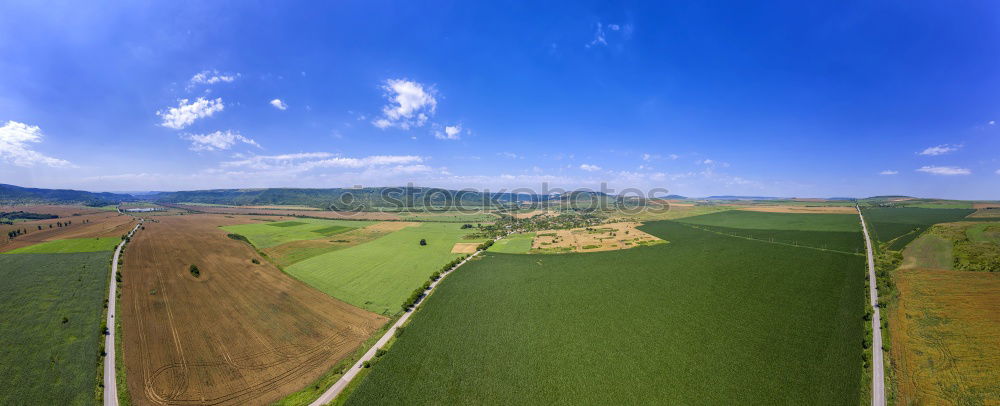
(217, 141)
(313, 160)
(944, 170)
(210, 77)
(278, 104)
(601, 35)
(509, 155)
(888, 172)
(410, 104)
(940, 150)
(186, 113)
(590, 168)
(15, 146)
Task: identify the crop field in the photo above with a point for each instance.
(70, 245)
(778, 221)
(705, 319)
(946, 337)
(235, 332)
(519, 243)
(322, 214)
(102, 224)
(291, 252)
(449, 216)
(270, 234)
(897, 226)
(50, 327)
(380, 274)
(963, 245)
(803, 209)
(837, 232)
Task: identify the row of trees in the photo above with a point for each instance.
(420, 292)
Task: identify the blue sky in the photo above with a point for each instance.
(701, 98)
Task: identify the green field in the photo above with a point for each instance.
(706, 319)
(50, 327)
(930, 251)
(519, 243)
(380, 274)
(449, 216)
(70, 245)
(778, 221)
(266, 235)
(900, 225)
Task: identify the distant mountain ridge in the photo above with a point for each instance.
(10, 194)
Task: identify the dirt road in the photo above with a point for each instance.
(110, 381)
(878, 372)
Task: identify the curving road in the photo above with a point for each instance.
(878, 372)
(110, 382)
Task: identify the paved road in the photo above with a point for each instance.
(878, 371)
(110, 382)
(339, 386)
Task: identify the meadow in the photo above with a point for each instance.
(50, 327)
(897, 226)
(519, 243)
(705, 319)
(270, 234)
(380, 274)
(70, 245)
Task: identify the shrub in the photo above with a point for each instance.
(255, 261)
(195, 271)
(423, 242)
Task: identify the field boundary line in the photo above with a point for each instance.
(339, 386)
(110, 380)
(878, 373)
(768, 241)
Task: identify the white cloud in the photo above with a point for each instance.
(217, 141)
(450, 132)
(705, 162)
(944, 170)
(15, 148)
(888, 172)
(186, 113)
(410, 104)
(278, 104)
(673, 156)
(993, 122)
(509, 155)
(590, 168)
(940, 150)
(312, 160)
(210, 77)
(614, 27)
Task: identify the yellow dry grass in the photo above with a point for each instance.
(605, 237)
(464, 248)
(946, 337)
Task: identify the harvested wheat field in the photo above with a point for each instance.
(803, 209)
(946, 337)
(336, 215)
(605, 237)
(232, 332)
(103, 224)
(464, 247)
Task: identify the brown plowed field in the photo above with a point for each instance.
(240, 333)
(336, 215)
(103, 224)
